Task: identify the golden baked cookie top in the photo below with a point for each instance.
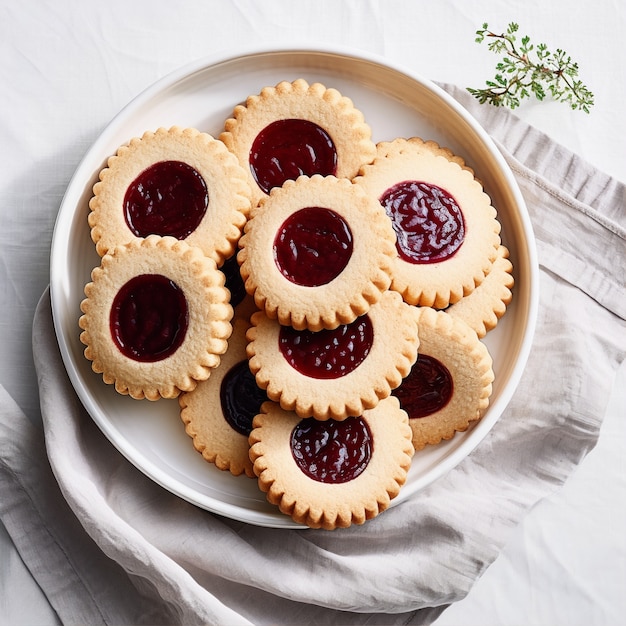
(317, 253)
(335, 373)
(450, 384)
(447, 231)
(423, 146)
(294, 129)
(218, 413)
(331, 474)
(483, 308)
(174, 182)
(156, 317)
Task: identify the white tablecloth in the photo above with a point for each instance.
(67, 67)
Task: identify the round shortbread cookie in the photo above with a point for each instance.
(218, 413)
(175, 182)
(317, 253)
(447, 231)
(156, 317)
(335, 373)
(450, 383)
(483, 308)
(329, 474)
(297, 128)
(424, 146)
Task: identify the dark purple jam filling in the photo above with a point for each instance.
(167, 198)
(234, 282)
(149, 318)
(427, 220)
(241, 398)
(313, 246)
(327, 354)
(286, 149)
(332, 451)
(427, 389)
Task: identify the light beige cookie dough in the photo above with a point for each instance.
(451, 382)
(337, 373)
(360, 244)
(423, 279)
(218, 413)
(334, 113)
(423, 146)
(485, 306)
(355, 486)
(227, 193)
(155, 348)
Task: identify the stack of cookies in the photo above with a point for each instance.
(168, 209)
(316, 301)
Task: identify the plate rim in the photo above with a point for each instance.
(207, 62)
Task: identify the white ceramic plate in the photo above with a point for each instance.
(395, 103)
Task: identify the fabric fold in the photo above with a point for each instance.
(82, 585)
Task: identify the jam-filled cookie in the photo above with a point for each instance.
(156, 317)
(335, 373)
(294, 129)
(218, 413)
(450, 383)
(447, 231)
(175, 182)
(483, 308)
(425, 146)
(317, 253)
(331, 474)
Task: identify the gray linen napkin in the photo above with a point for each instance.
(107, 545)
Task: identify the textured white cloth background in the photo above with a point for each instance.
(168, 562)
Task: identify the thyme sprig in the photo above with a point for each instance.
(526, 70)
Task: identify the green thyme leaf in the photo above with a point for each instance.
(527, 70)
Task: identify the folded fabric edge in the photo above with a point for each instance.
(581, 197)
(119, 541)
(29, 502)
(600, 276)
(534, 148)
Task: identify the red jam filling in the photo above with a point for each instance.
(234, 282)
(241, 398)
(427, 389)
(332, 451)
(167, 198)
(427, 220)
(312, 246)
(327, 354)
(290, 148)
(149, 318)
